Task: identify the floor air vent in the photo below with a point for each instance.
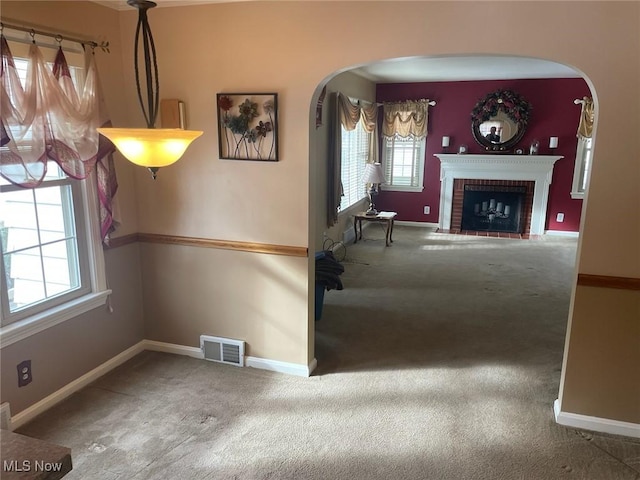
(223, 350)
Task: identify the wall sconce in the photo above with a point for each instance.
(149, 147)
(553, 142)
(373, 175)
(445, 142)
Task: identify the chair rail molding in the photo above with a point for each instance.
(536, 168)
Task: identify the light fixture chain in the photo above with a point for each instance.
(149, 43)
(150, 112)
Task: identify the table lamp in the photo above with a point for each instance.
(373, 175)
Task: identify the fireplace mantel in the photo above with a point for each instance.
(537, 168)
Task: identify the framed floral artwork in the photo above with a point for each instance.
(248, 126)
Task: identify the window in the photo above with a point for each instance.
(584, 155)
(44, 253)
(355, 151)
(403, 163)
(52, 266)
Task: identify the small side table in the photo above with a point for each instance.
(384, 217)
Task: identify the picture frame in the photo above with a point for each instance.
(248, 126)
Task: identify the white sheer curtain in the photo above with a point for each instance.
(48, 119)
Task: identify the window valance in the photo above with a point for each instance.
(49, 119)
(352, 112)
(405, 119)
(587, 116)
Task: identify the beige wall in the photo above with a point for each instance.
(291, 48)
(604, 316)
(65, 352)
(202, 52)
(259, 298)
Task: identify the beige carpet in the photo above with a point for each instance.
(440, 359)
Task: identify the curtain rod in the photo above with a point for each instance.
(104, 46)
(431, 103)
(359, 101)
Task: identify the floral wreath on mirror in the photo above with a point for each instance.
(512, 104)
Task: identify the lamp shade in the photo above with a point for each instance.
(151, 147)
(373, 173)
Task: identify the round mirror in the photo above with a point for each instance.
(499, 120)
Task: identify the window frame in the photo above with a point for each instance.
(98, 291)
(420, 147)
(71, 199)
(582, 167)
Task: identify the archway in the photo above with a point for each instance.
(568, 85)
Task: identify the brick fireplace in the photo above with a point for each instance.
(533, 172)
(519, 209)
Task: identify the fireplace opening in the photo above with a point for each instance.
(493, 208)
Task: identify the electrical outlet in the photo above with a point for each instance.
(427, 209)
(24, 373)
(560, 217)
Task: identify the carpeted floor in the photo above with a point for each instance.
(440, 359)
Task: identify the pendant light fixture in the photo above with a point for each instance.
(149, 147)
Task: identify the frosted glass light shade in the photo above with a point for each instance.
(151, 147)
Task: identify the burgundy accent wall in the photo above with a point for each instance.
(553, 114)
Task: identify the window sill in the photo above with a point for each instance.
(355, 208)
(22, 329)
(391, 188)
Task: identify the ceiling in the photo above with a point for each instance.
(460, 68)
(423, 69)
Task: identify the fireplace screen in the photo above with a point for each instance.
(493, 208)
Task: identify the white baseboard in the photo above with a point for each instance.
(5, 416)
(255, 362)
(297, 369)
(70, 388)
(561, 233)
(348, 236)
(154, 346)
(595, 424)
(405, 223)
